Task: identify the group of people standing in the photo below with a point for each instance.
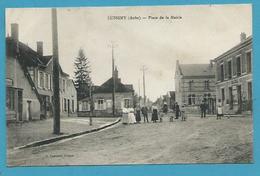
(159, 114)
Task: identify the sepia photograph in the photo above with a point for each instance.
(129, 85)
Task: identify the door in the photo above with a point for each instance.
(68, 107)
(20, 105)
(239, 98)
(230, 98)
(29, 114)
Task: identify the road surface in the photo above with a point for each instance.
(194, 141)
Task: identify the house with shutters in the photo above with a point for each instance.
(29, 88)
(101, 98)
(234, 77)
(195, 83)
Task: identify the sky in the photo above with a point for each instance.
(198, 34)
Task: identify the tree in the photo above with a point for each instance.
(82, 72)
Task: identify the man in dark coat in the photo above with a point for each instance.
(203, 109)
(177, 110)
(145, 113)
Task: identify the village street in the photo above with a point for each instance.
(194, 141)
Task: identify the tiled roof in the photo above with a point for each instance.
(28, 55)
(197, 70)
(107, 87)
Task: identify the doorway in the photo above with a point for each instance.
(20, 105)
(239, 98)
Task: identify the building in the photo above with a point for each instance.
(37, 70)
(102, 98)
(195, 83)
(234, 77)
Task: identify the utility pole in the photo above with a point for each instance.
(113, 77)
(143, 69)
(56, 86)
(139, 93)
(91, 104)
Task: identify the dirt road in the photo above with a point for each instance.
(194, 141)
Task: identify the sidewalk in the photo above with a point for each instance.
(28, 132)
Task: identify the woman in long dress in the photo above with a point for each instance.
(154, 114)
(131, 116)
(138, 115)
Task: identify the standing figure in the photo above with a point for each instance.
(145, 113)
(219, 110)
(183, 113)
(177, 111)
(164, 110)
(138, 115)
(203, 109)
(154, 114)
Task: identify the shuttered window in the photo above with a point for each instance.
(234, 60)
(244, 62)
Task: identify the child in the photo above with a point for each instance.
(219, 111)
(183, 113)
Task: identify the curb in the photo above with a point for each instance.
(55, 139)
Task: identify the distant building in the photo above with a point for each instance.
(102, 98)
(29, 82)
(234, 77)
(195, 83)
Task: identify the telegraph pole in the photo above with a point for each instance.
(56, 86)
(91, 104)
(139, 93)
(114, 81)
(143, 69)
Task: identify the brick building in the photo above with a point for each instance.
(234, 77)
(195, 83)
(102, 98)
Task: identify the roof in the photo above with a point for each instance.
(46, 59)
(28, 55)
(240, 45)
(107, 87)
(197, 70)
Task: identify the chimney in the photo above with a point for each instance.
(15, 31)
(211, 63)
(40, 48)
(242, 37)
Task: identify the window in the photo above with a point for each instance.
(126, 103)
(65, 105)
(85, 106)
(192, 99)
(223, 95)
(41, 80)
(229, 70)
(10, 98)
(222, 72)
(63, 85)
(190, 85)
(249, 62)
(206, 85)
(238, 66)
(100, 104)
(46, 81)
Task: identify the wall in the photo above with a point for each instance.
(15, 73)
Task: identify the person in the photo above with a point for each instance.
(137, 114)
(154, 114)
(177, 110)
(131, 116)
(183, 113)
(145, 113)
(203, 109)
(164, 110)
(219, 110)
